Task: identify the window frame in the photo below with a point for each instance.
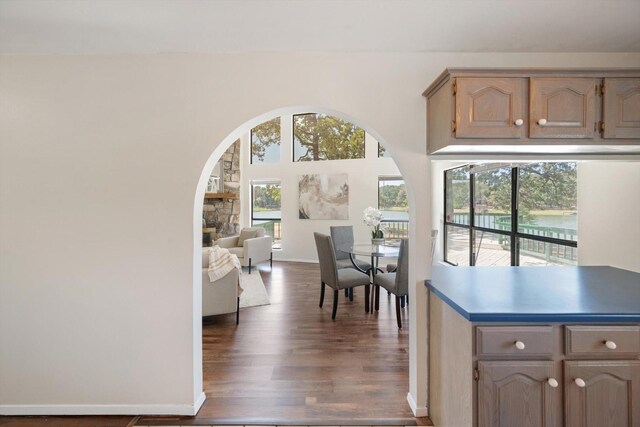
(514, 234)
(293, 139)
(392, 178)
(252, 218)
(251, 143)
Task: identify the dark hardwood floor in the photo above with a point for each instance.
(288, 363)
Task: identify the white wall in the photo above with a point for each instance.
(103, 162)
(297, 234)
(608, 213)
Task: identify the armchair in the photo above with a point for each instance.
(221, 296)
(251, 246)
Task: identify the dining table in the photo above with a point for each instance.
(389, 249)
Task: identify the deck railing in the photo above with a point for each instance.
(550, 252)
(396, 228)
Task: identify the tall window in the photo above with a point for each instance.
(382, 152)
(321, 137)
(266, 209)
(265, 142)
(504, 215)
(394, 205)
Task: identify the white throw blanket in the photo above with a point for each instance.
(221, 262)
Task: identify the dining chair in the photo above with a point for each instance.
(397, 282)
(334, 277)
(342, 236)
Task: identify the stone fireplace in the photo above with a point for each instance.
(223, 213)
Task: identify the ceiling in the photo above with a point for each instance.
(151, 26)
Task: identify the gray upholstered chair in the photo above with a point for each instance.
(397, 282)
(332, 276)
(342, 236)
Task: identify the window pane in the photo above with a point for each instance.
(266, 201)
(321, 137)
(491, 249)
(457, 197)
(382, 152)
(492, 199)
(457, 245)
(394, 205)
(265, 142)
(536, 253)
(266, 210)
(547, 200)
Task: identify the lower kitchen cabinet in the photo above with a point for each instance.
(524, 394)
(532, 374)
(602, 393)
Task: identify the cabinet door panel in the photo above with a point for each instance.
(518, 394)
(610, 396)
(621, 108)
(490, 107)
(567, 105)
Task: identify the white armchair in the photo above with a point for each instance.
(251, 246)
(221, 296)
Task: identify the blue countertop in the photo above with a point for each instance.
(539, 294)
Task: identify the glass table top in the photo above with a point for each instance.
(390, 248)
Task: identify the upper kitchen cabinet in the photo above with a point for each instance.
(535, 111)
(490, 107)
(562, 108)
(621, 109)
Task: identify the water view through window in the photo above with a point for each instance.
(521, 215)
(266, 210)
(393, 202)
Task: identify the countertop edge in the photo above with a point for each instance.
(532, 317)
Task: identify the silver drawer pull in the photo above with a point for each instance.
(553, 382)
(519, 345)
(610, 345)
(580, 382)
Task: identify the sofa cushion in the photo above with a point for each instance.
(239, 252)
(247, 233)
(205, 257)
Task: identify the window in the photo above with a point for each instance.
(511, 215)
(322, 137)
(382, 152)
(266, 209)
(394, 205)
(265, 142)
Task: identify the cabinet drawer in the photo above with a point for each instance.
(602, 340)
(514, 341)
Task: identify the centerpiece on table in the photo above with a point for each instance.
(373, 218)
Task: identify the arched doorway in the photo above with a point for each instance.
(245, 128)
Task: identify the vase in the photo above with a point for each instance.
(377, 241)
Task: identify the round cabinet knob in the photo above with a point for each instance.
(542, 122)
(519, 122)
(580, 382)
(552, 382)
(610, 345)
(519, 345)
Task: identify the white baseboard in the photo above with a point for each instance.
(199, 402)
(417, 411)
(187, 410)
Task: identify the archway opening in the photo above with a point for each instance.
(387, 184)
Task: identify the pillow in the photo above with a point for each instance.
(246, 234)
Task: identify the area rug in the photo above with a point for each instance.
(254, 293)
